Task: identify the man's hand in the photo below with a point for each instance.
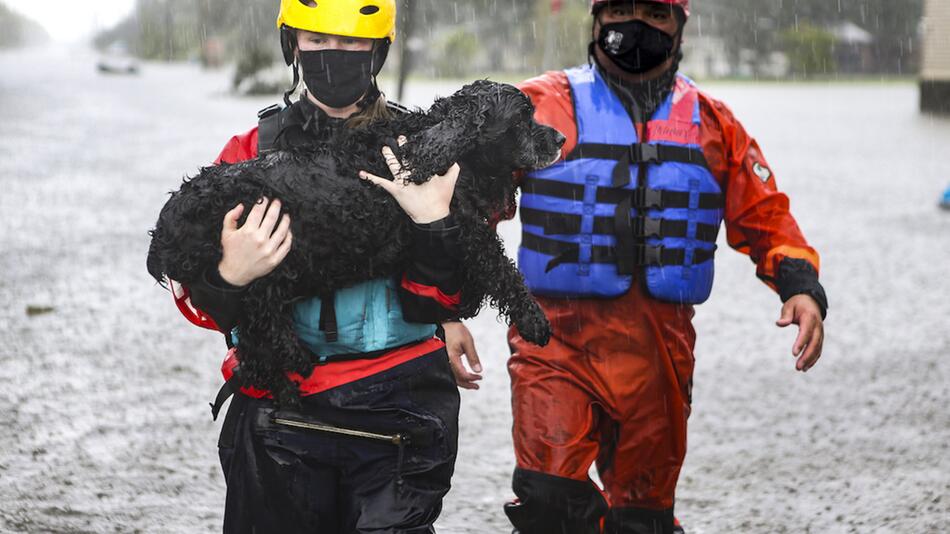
(258, 246)
(459, 341)
(424, 203)
(804, 311)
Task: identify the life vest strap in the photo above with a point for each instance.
(565, 224)
(328, 323)
(643, 198)
(646, 255)
(268, 128)
(636, 154)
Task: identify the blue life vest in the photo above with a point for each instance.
(368, 318)
(618, 204)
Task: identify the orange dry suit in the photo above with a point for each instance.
(613, 386)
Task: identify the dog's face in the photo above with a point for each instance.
(524, 143)
(498, 121)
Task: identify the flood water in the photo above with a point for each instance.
(104, 425)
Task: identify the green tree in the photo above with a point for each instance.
(810, 50)
(17, 30)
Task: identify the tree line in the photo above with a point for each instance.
(471, 37)
(17, 30)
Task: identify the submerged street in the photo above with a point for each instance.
(105, 421)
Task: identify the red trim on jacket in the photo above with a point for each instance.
(194, 315)
(449, 302)
(331, 375)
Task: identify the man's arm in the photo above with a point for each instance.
(759, 223)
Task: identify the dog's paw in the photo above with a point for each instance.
(536, 331)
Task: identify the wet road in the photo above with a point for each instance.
(105, 424)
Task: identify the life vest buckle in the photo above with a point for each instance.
(650, 255)
(647, 227)
(646, 198)
(644, 153)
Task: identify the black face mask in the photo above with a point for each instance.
(635, 46)
(339, 78)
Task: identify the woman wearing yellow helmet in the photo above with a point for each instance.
(338, 77)
(372, 446)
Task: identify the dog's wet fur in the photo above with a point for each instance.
(347, 230)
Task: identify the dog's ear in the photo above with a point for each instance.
(456, 132)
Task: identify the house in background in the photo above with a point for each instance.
(935, 71)
(853, 49)
(704, 57)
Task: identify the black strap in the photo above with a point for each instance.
(328, 318)
(646, 255)
(227, 389)
(639, 153)
(397, 108)
(636, 154)
(643, 198)
(268, 128)
(657, 199)
(564, 224)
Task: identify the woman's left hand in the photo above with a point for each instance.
(424, 203)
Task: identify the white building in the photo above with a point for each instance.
(935, 70)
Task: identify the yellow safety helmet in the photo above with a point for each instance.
(370, 19)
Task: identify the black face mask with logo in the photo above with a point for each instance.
(635, 46)
(339, 78)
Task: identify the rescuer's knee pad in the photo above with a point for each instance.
(639, 521)
(549, 504)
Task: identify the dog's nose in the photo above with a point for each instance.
(559, 138)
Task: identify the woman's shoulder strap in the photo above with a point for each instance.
(271, 122)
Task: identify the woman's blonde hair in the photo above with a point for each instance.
(378, 110)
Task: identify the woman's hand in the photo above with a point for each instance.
(256, 248)
(424, 203)
(459, 342)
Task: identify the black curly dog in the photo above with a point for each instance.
(347, 230)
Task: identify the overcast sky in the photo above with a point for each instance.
(71, 20)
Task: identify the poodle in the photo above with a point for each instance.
(347, 230)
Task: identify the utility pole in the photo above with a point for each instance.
(405, 53)
(547, 58)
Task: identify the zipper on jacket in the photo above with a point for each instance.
(395, 439)
(399, 440)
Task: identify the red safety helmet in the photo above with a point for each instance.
(682, 4)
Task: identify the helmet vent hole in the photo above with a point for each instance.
(308, 3)
(369, 10)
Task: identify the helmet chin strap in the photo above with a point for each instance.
(296, 69)
(380, 53)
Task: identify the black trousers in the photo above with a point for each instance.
(390, 479)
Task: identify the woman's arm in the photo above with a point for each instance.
(429, 290)
(249, 252)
